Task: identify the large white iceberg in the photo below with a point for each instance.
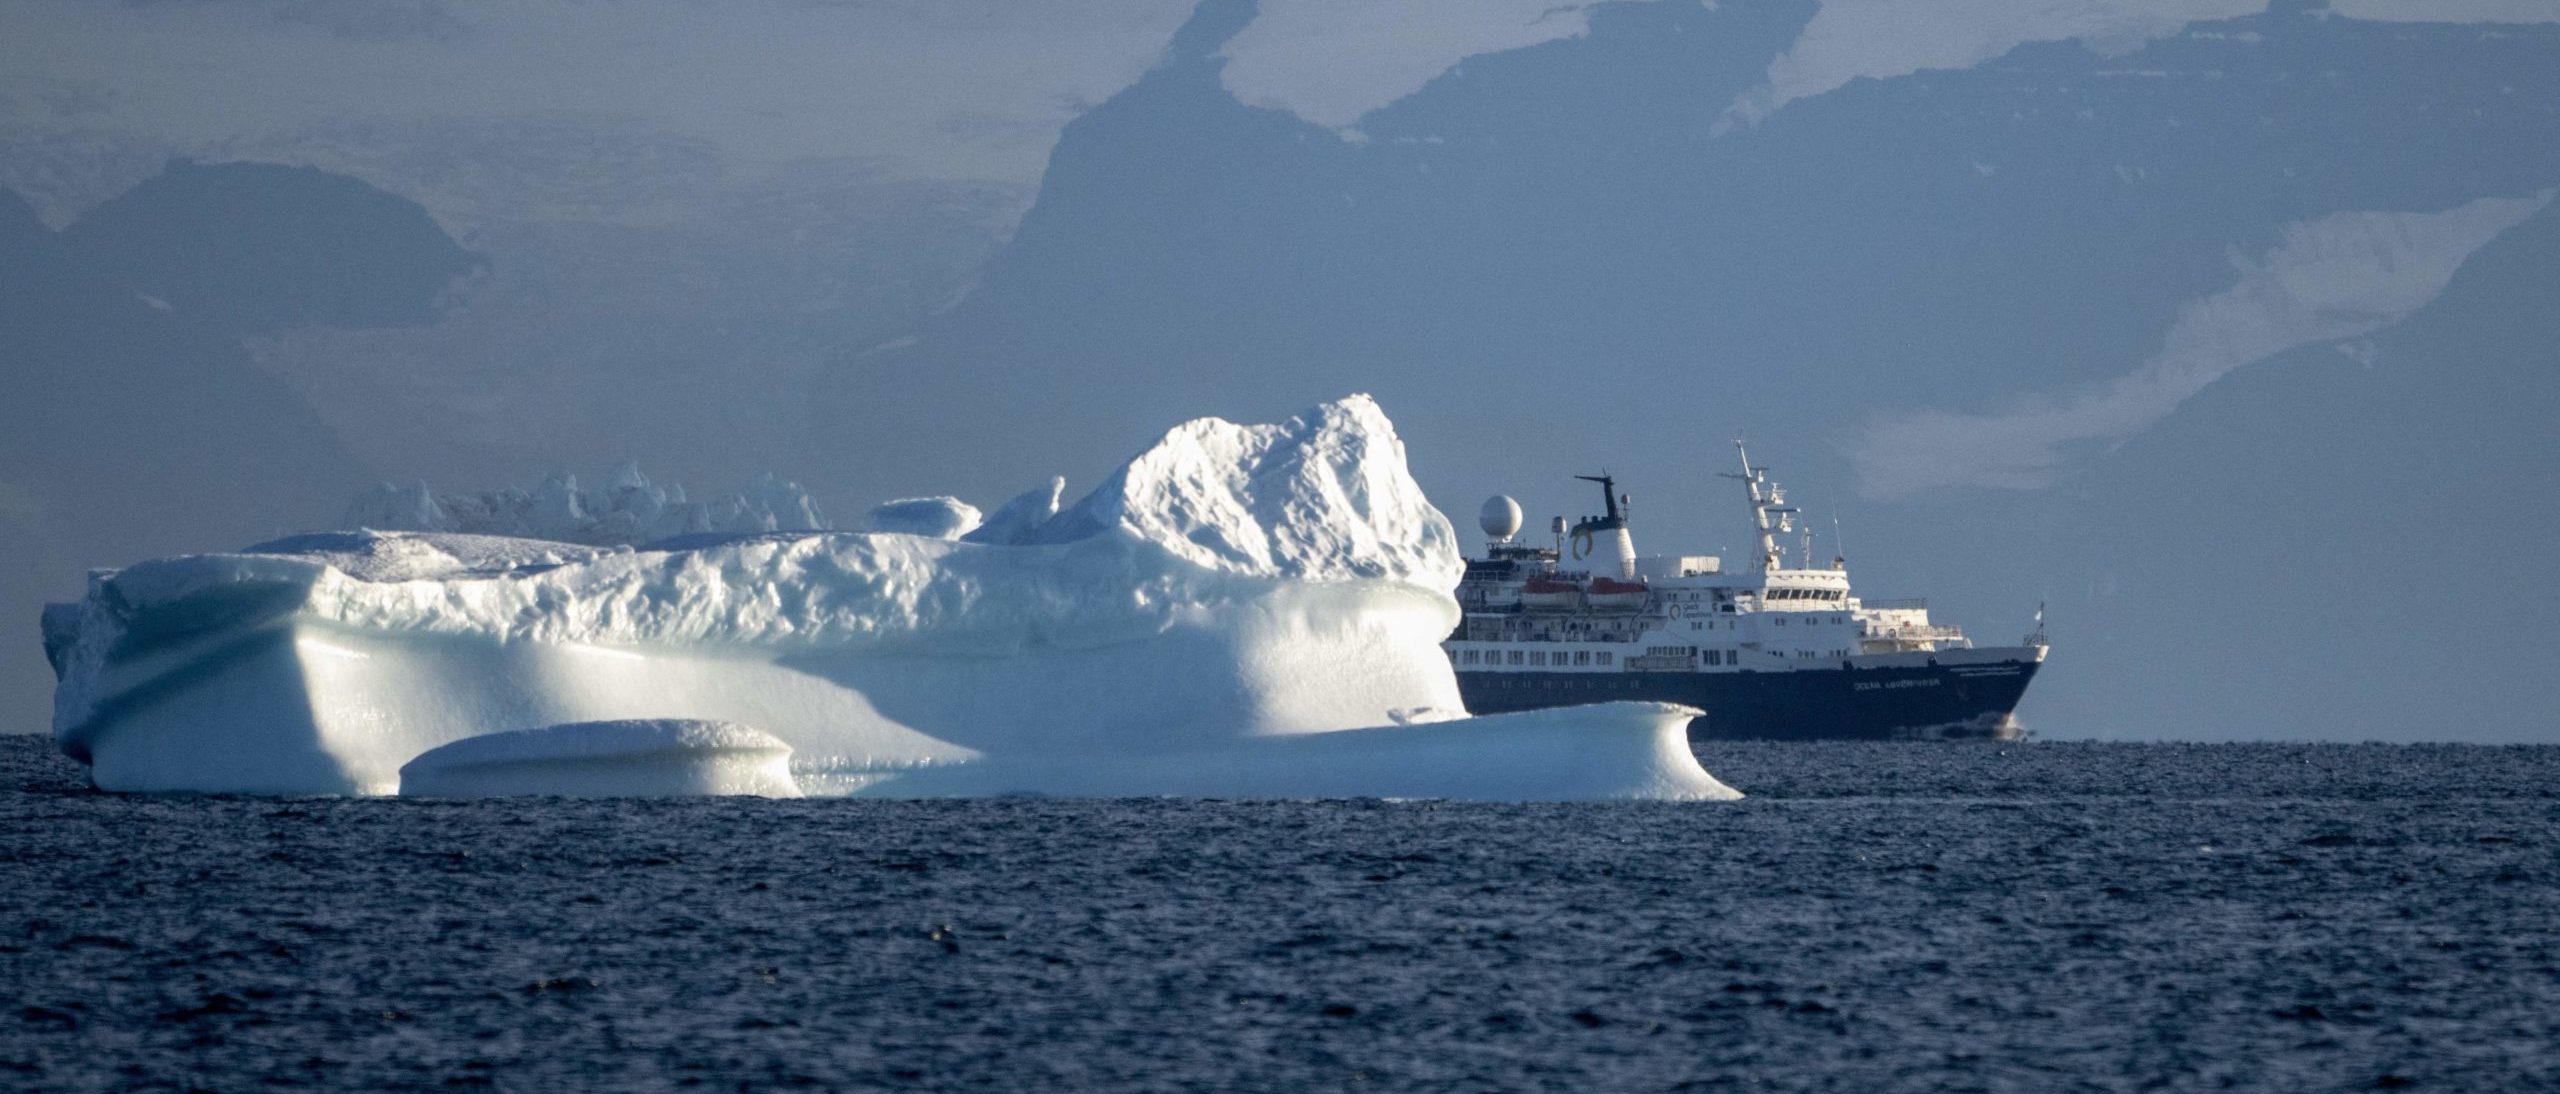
(1228, 587)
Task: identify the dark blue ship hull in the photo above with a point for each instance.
(1925, 702)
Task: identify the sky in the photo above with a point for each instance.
(956, 90)
(971, 89)
(699, 225)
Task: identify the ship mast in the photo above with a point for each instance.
(1767, 502)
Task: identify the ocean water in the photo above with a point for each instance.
(2030, 917)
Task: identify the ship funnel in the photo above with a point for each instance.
(1611, 528)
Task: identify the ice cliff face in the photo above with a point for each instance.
(1228, 584)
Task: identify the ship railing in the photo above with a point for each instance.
(1919, 633)
(1913, 636)
(1898, 604)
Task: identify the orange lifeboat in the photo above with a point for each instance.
(1610, 595)
(1550, 594)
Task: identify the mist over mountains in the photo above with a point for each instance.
(2229, 340)
(1571, 255)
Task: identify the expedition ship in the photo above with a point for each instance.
(1771, 653)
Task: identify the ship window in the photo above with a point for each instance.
(1606, 657)
(1782, 621)
(1538, 657)
(1471, 657)
(1582, 657)
(1515, 657)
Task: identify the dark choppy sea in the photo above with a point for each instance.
(1920, 917)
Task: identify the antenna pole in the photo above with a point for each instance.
(1754, 479)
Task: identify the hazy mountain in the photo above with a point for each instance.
(258, 248)
(681, 329)
(1572, 254)
(136, 424)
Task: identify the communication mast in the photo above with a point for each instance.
(1771, 516)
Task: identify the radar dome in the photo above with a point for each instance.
(1500, 517)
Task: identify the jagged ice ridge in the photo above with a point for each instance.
(628, 509)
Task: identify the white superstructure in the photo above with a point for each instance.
(1544, 610)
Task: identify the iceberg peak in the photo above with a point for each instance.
(1325, 495)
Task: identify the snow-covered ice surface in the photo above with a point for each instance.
(1605, 752)
(935, 518)
(1230, 585)
(667, 758)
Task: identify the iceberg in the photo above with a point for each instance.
(1247, 610)
(669, 758)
